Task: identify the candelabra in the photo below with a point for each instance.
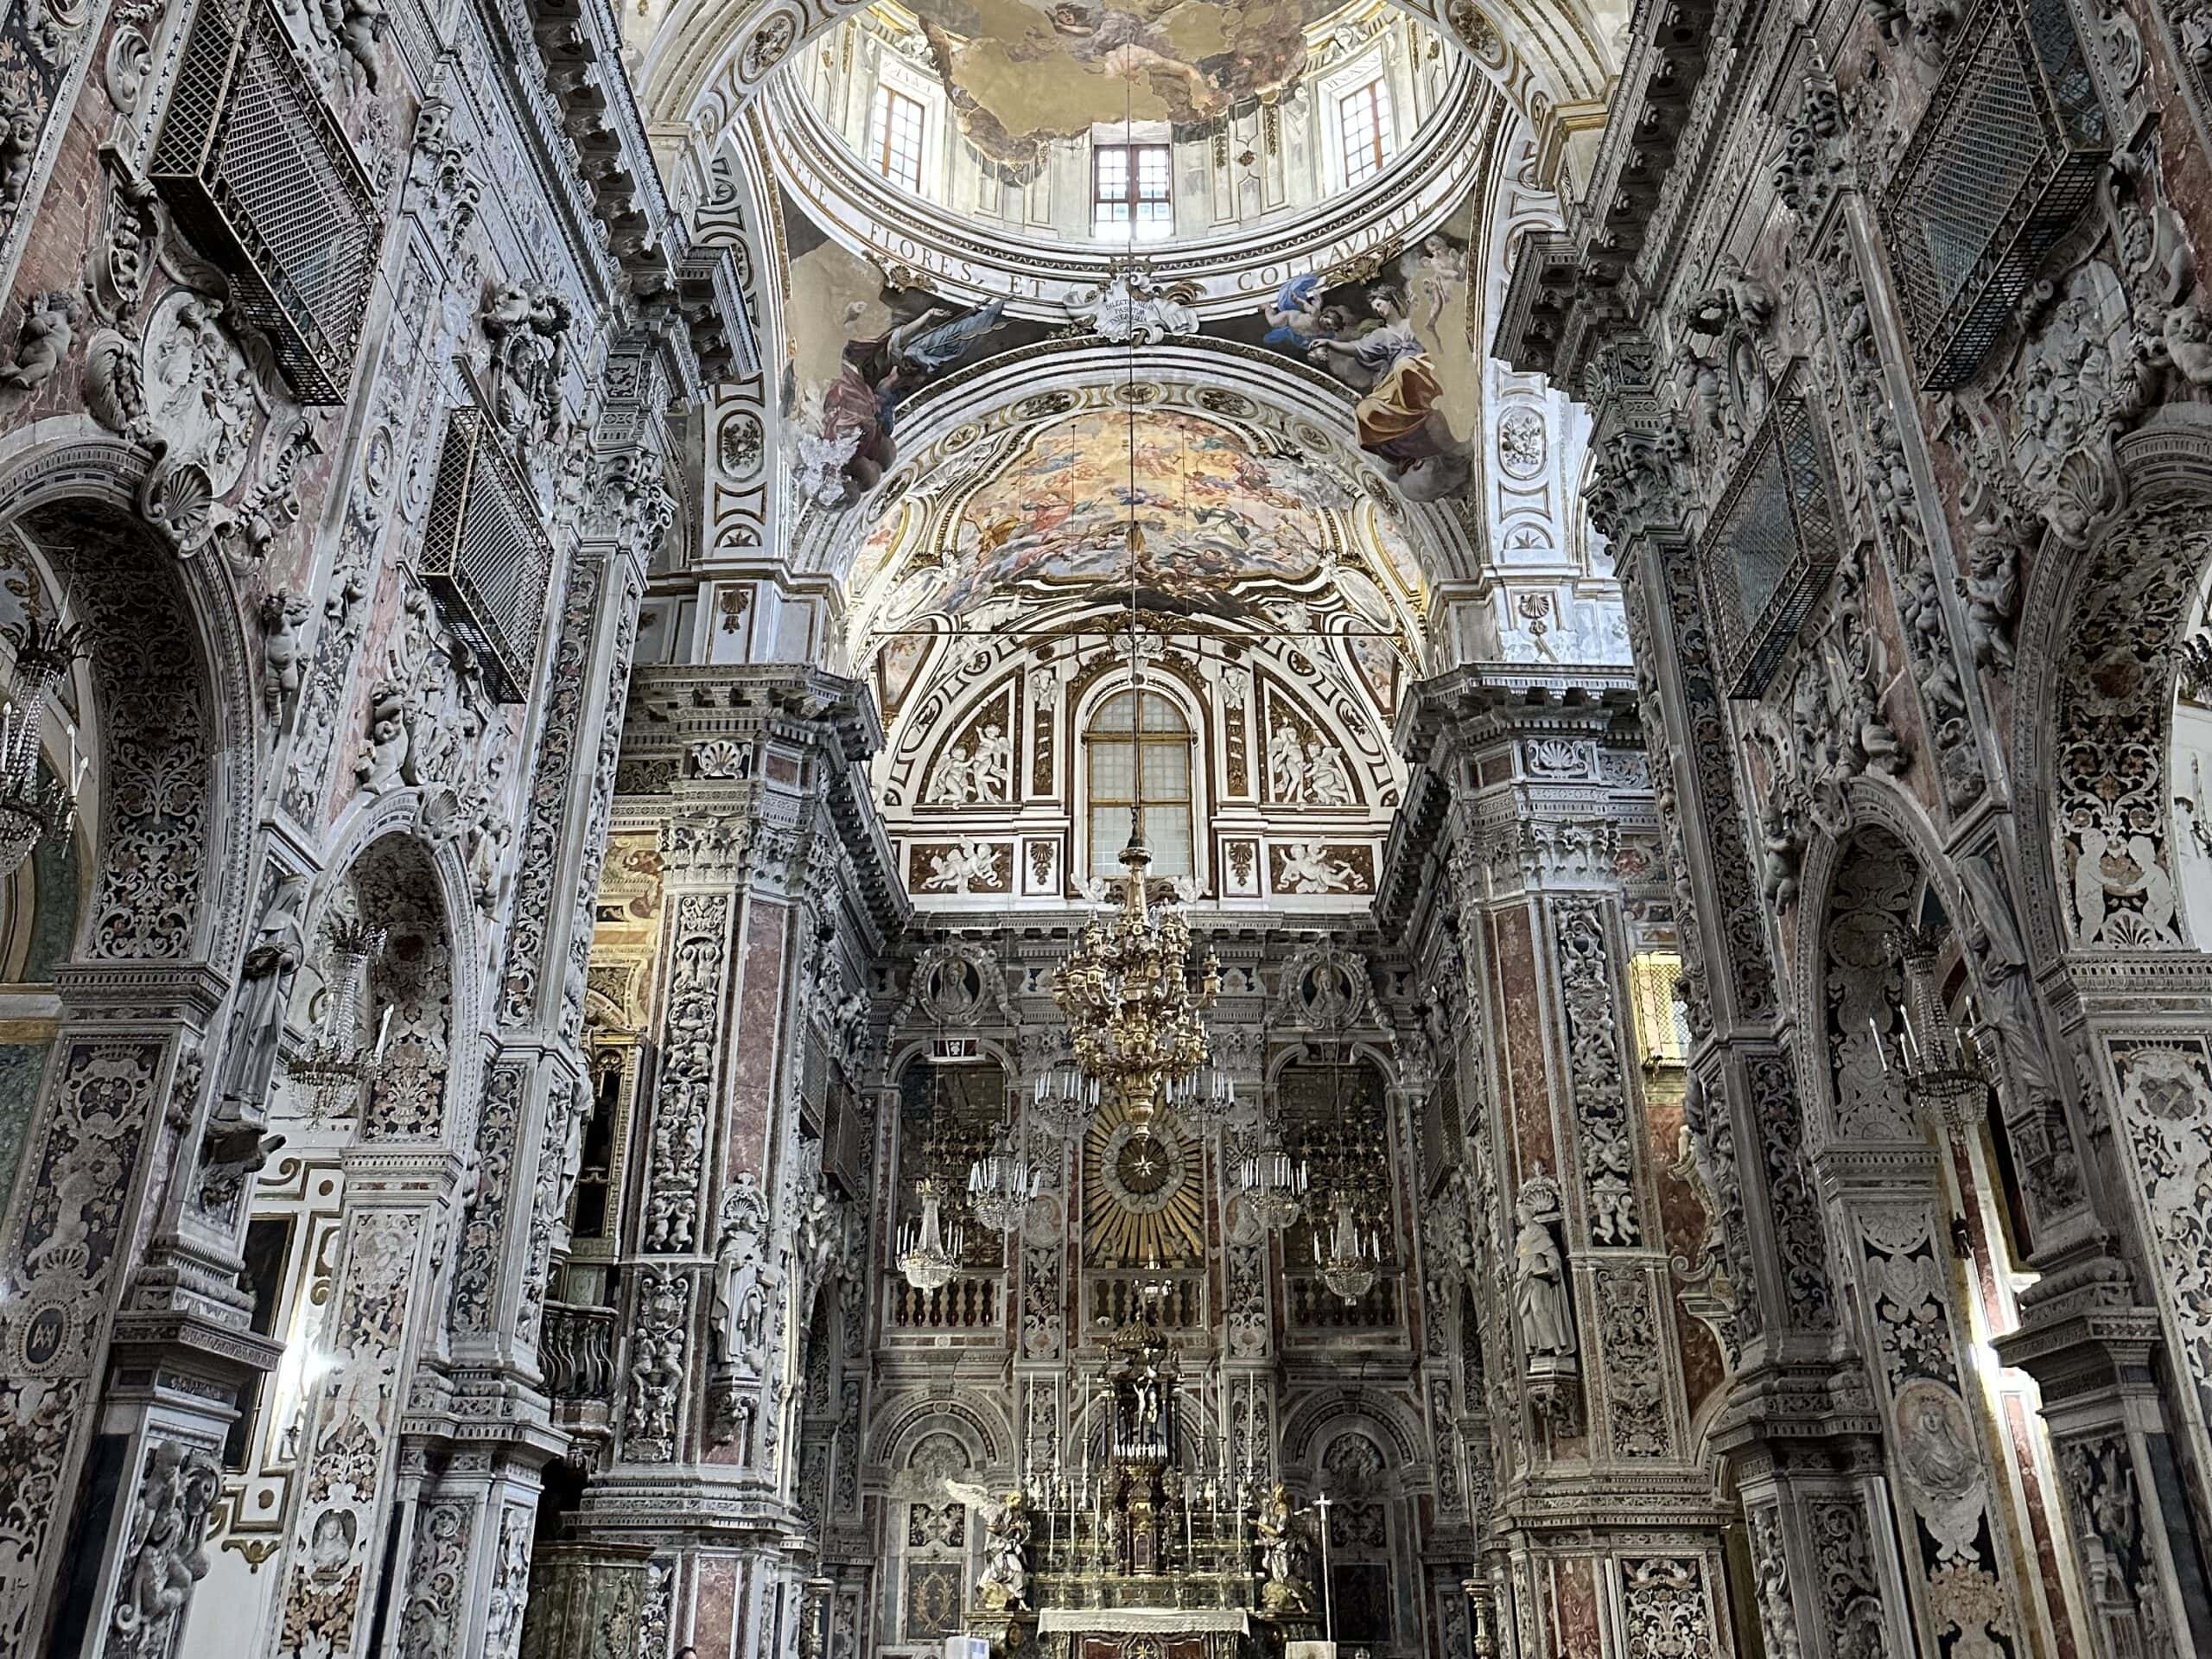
(1134, 1019)
(33, 807)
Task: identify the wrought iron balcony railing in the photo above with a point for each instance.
(2000, 168)
(1770, 547)
(259, 173)
(486, 556)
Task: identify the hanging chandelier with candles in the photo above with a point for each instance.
(1353, 1259)
(335, 1061)
(1939, 1067)
(1134, 1019)
(1273, 1183)
(1000, 1184)
(929, 1245)
(1350, 1199)
(34, 805)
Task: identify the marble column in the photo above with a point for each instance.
(1799, 1426)
(1545, 789)
(723, 1244)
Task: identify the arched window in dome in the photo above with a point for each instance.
(895, 141)
(1366, 123)
(1122, 747)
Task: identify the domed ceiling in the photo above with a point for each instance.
(1021, 72)
(1216, 474)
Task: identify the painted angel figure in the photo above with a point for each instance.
(1294, 319)
(1005, 1580)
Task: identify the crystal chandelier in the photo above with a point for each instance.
(1941, 1072)
(1273, 1183)
(335, 1062)
(929, 1246)
(1354, 1258)
(1350, 1256)
(1000, 1184)
(33, 807)
(1134, 1019)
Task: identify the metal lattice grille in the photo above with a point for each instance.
(484, 555)
(1999, 167)
(260, 175)
(1771, 546)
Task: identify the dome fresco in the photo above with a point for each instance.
(1020, 72)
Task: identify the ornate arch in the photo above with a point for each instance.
(974, 1419)
(177, 715)
(1392, 1420)
(950, 430)
(1862, 888)
(385, 874)
(2092, 718)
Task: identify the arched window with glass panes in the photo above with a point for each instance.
(1139, 738)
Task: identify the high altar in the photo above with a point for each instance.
(1145, 1550)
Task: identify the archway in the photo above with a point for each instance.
(169, 725)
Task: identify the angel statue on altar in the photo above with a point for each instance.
(1284, 1591)
(1005, 1580)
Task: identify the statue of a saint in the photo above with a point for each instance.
(257, 1009)
(1540, 1285)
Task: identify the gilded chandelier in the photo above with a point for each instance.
(1133, 1019)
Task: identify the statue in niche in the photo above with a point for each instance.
(743, 1280)
(257, 1028)
(1540, 1273)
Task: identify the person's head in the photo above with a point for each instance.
(687, 1651)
